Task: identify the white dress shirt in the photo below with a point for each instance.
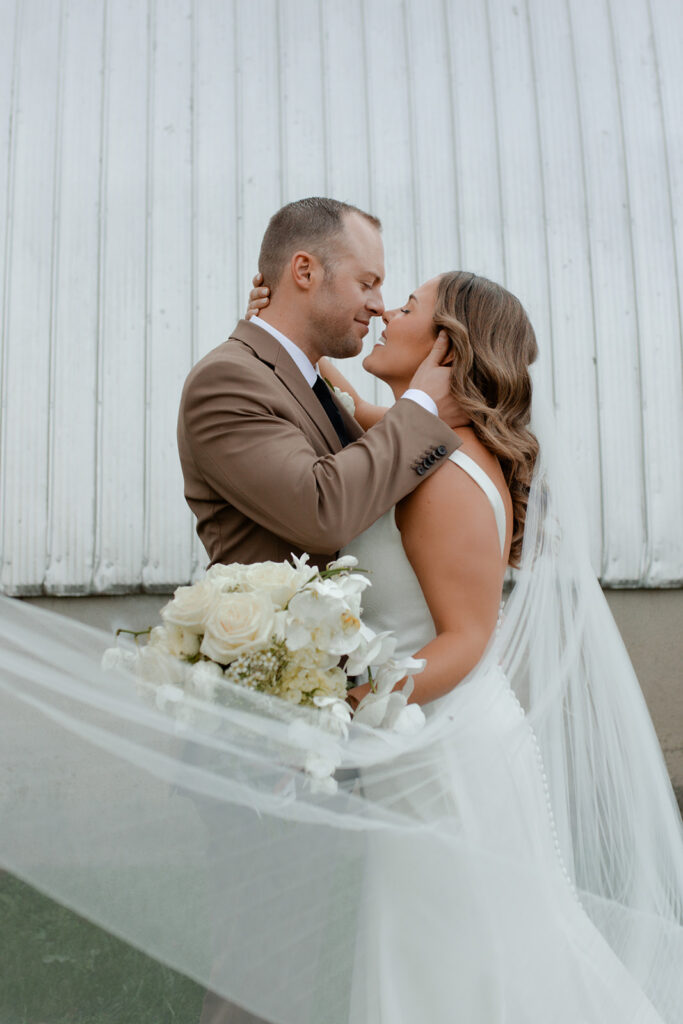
(310, 372)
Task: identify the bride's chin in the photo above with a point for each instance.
(368, 364)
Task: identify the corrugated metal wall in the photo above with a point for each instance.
(143, 146)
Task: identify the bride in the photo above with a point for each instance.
(514, 940)
(517, 860)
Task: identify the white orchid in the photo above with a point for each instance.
(392, 672)
(322, 621)
(300, 563)
(345, 562)
(387, 708)
(335, 714)
(373, 649)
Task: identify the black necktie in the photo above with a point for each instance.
(322, 393)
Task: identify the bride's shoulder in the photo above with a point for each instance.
(451, 500)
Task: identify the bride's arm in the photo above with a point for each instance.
(365, 413)
(450, 537)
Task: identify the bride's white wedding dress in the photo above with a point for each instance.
(499, 866)
(510, 941)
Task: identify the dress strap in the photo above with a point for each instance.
(487, 485)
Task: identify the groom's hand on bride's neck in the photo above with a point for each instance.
(433, 376)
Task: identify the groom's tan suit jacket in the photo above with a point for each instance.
(265, 473)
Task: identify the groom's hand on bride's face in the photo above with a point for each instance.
(259, 297)
(433, 376)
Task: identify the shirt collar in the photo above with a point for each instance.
(306, 367)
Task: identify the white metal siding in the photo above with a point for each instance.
(143, 147)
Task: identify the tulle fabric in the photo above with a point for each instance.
(520, 859)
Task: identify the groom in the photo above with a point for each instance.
(272, 463)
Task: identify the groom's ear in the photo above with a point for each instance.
(303, 267)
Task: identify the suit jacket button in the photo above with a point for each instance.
(440, 451)
(420, 470)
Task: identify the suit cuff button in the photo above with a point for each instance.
(420, 470)
(440, 451)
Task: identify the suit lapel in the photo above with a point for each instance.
(270, 351)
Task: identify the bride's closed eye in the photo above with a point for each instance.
(405, 311)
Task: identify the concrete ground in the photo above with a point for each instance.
(650, 621)
(651, 624)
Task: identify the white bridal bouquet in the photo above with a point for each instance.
(289, 631)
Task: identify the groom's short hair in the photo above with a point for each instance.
(312, 224)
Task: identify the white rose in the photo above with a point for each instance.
(190, 606)
(226, 577)
(181, 642)
(279, 579)
(345, 399)
(158, 637)
(239, 623)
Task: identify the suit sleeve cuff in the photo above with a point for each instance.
(421, 398)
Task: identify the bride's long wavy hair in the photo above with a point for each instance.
(493, 344)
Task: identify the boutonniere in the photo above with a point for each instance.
(343, 397)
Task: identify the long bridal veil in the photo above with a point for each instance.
(204, 847)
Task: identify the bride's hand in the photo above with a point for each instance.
(356, 694)
(259, 297)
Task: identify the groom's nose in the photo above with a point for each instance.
(374, 302)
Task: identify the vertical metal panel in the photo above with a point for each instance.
(215, 179)
(168, 541)
(301, 108)
(217, 295)
(656, 291)
(72, 427)
(8, 75)
(258, 145)
(393, 182)
(430, 111)
(616, 326)
(667, 34)
(521, 183)
(120, 493)
(349, 141)
(562, 208)
(537, 142)
(477, 172)
(392, 174)
(28, 304)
